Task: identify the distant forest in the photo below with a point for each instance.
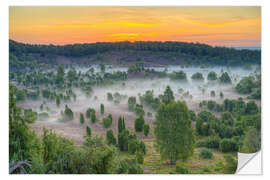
(189, 53)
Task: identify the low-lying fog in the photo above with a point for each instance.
(134, 87)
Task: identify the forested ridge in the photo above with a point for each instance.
(191, 53)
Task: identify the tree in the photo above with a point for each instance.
(225, 78)
(60, 75)
(212, 76)
(123, 138)
(173, 131)
(111, 140)
(245, 86)
(199, 125)
(89, 111)
(71, 75)
(168, 95)
(81, 118)
(68, 114)
(102, 108)
(139, 123)
(197, 76)
(221, 95)
(139, 110)
(230, 165)
(58, 101)
(88, 131)
(121, 124)
(106, 122)
(252, 141)
(102, 67)
(251, 108)
(93, 117)
(146, 129)
(131, 103)
(109, 96)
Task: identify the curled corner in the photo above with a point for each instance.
(249, 163)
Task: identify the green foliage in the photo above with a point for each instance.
(230, 164)
(89, 111)
(228, 145)
(246, 85)
(227, 118)
(139, 124)
(221, 95)
(172, 129)
(131, 103)
(181, 170)
(68, 114)
(192, 115)
(252, 141)
(139, 157)
(181, 75)
(102, 108)
(107, 121)
(209, 142)
(225, 78)
(212, 76)
(146, 129)
(251, 108)
(212, 94)
(206, 116)
(88, 131)
(197, 76)
(93, 117)
(82, 118)
(111, 140)
(109, 96)
(206, 154)
(149, 100)
(121, 124)
(58, 101)
(123, 138)
(168, 95)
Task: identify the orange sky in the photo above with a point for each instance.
(223, 26)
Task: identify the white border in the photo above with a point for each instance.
(265, 70)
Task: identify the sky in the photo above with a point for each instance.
(213, 25)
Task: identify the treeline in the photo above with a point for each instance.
(193, 52)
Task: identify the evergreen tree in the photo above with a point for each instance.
(81, 118)
(168, 95)
(138, 124)
(88, 131)
(146, 129)
(102, 108)
(111, 140)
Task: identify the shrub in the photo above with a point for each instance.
(81, 118)
(102, 108)
(192, 115)
(197, 76)
(212, 76)
(206, 116)
(109, 96)
(209, 142)
(180, 75)
(93, 117)
(245, 86)
(205, 169)
(146, 128)
(139, 157)
(230, 165)
(139, 124)
(139, 110)
(106, 122)
(131, 103)
(111, 140)
(227, 145)
(212, 94)
(206, 154)
(219, 166)
(181, 169)
(89, 111)
(68, 114)
(225, 78)
(88, 131)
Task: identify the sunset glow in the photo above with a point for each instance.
(223, 26)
